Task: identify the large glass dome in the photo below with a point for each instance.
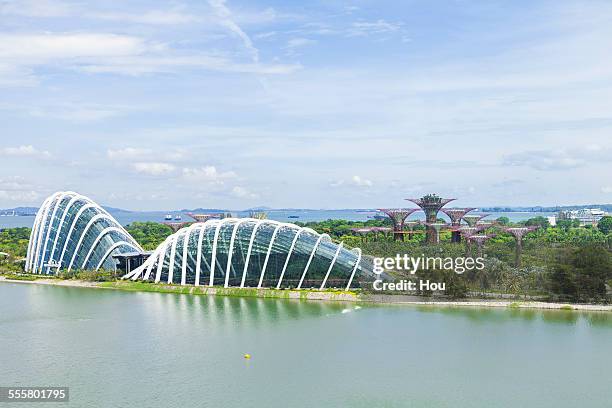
(247, 252)
(72, 232)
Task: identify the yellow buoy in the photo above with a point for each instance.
(247, 356)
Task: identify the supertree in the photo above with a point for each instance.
(362, 232)
(518, 233)
(411, 225)
(467, 232)
(456, 215)
(479, 240)
(436, 226)
(472, 219)
(398, 217)
(431, 205)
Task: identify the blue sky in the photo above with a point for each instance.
(330, 104)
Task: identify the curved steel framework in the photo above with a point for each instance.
(518, 233)
(479, 240)
(249, 252)
(72, 232)
(473, 219)
(456, 215)
(431, 205)
(398, 217)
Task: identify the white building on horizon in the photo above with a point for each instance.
(586, 216)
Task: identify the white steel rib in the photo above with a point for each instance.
(58, 203)
(41, 230)
(33, 233)
(248, 257)
(265, 265)
(310, 258)
(231, 250)
(331, 266)
(84, 234)
(213, 258)
(111, 249)
(297, 235)
(72, 201)
(94, 245)
(354, 269)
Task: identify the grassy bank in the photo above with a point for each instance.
(324, 295)
(332, 295)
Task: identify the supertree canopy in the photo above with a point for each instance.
(431, 205)
(518, 233)
(398, 217)
(472, 219)
(456, 215)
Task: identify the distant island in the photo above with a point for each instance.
(30, 211)
(604, 207)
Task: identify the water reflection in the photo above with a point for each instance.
(482, 315)
(172, 309)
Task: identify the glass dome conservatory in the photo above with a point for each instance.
(72, 232)
(247, 252)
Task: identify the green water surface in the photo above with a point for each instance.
(130, 349)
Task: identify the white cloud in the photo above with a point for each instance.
(24, 150)
(75, 112)
(50, 46)
(153, 168)
(53, 8)
(242, 192)
(18, 190)
(226, 19)
(359, 181)
(207, 174)
(36, 8)
(154, 17)
(139, 65)
(128, 153)
(606, 189)
(11, 75)
(265, 35)
(19, 196)
(356, 181)
(364, 28)
(108, 53)
(299, 42)
(560, 159)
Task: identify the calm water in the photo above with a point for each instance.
(129, 349)
(279, 215)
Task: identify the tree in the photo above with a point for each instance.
(537, 221)
(581, 274)
(566, 225)
(605, 224)
(503, 220)
(149, 234)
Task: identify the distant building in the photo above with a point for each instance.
(586, 216)
(552, 220)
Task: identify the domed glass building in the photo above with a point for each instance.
(248, 252)
(72, 232)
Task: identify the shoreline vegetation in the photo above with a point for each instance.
(313, 295)
(564, 264)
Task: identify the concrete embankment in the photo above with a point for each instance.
(325, 295)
